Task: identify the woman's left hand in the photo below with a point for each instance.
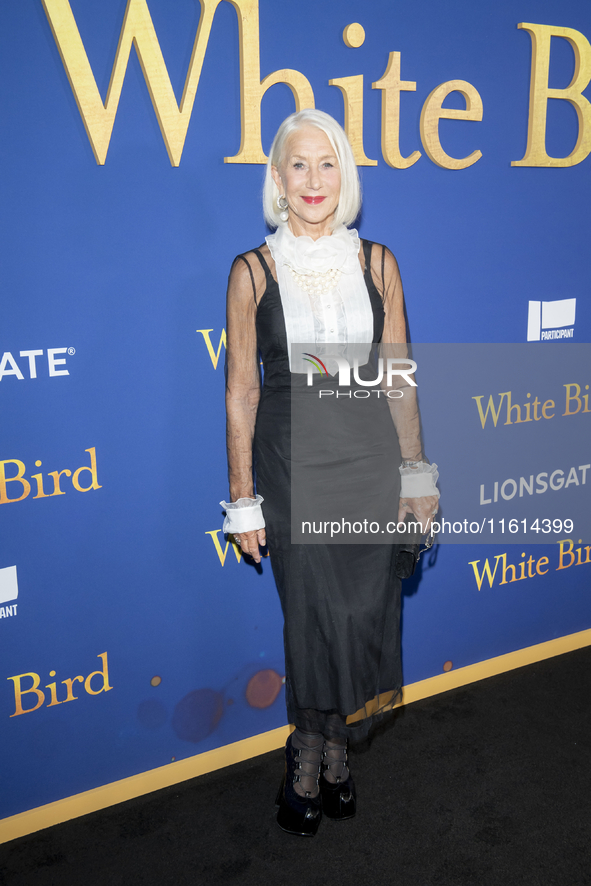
(423, 508)
(251, 542)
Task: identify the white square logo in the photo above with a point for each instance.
(551, 315)
(8, 584)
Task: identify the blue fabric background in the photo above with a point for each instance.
(125, 262)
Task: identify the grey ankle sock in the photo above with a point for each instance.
(311, 746)
(335, 761)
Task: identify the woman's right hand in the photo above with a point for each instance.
(251, 541)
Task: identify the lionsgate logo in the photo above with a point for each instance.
(391, 374)
(35, 363)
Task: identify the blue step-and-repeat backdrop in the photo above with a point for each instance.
(132, 634)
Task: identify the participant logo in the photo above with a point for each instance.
(8, 591)
(551, 320)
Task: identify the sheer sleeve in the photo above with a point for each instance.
(243, 382)
(405, 411)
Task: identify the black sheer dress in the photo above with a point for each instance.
(341, 602)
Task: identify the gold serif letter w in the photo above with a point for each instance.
(138, 31)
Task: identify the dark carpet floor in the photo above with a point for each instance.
(481, 786)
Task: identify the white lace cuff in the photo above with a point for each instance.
(243, 515)
(418, 480)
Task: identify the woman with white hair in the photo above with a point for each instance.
(314, 281)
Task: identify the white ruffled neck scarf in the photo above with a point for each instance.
(323, 293)
(337, 251)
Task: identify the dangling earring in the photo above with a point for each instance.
(283, 204)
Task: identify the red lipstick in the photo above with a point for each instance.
(312, 201)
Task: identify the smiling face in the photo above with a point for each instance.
(310, 178)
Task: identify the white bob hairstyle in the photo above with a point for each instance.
(350, 194)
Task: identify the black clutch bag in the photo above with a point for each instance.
(408, 555)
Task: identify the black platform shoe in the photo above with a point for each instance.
(338, 799)
(296, 814)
